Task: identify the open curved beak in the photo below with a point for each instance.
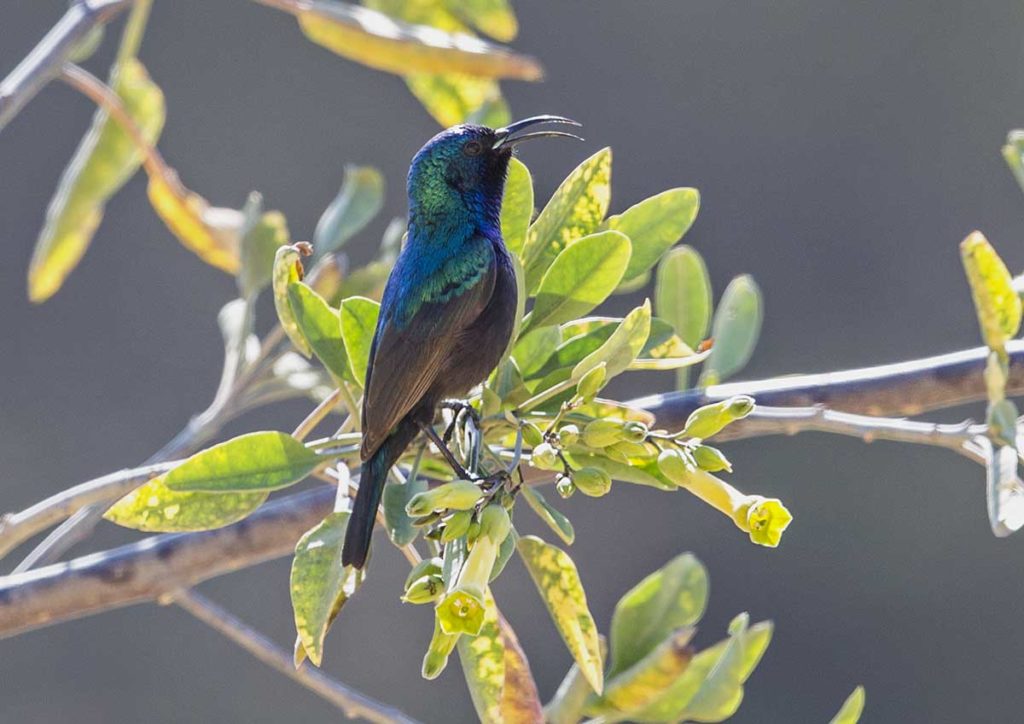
(506, 137)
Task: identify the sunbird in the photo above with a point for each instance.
(449, 305)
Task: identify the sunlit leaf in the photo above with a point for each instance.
(259, 246)
(396, 496)
(622, 347)
(646, 680)
(575, 210)
(735, 330)
(1013, 153)
(266, 460)
(385, 43)
(672, 597)
(558, 582)
(554, 518)
(654, 225)
(287, 271)
(682, 294)
(457, 98)
(358, 324)
(582, 276)
(491, 17)
(516, 206)
(483, 664)
(852, 708)
(520, 702)
(995, 300)
(359, 200)
(320, 326)
(104, 161)
(320, 585)
(532, 350)
(184, 212)
(638, 474)
(155, 508)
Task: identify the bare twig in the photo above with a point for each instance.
(353, 703)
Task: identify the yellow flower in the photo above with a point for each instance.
(765, 519)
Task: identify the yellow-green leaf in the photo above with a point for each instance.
(622, 347)
(266, 460)
(575, 210)
(646, 680)
(385, 43)
(558, 582)
(360, 198)
(483, 664)
(654, 225)
(532, 350)
(682, 294)
(852, 708)
(358, 324)
(1013, 153)
(583, 276)
(259, 245)
(287, 271)
(104, 161)
(735, 330)
(456, 98)
(155, 508)
(320, 326)
(516, 206)
(320, 585)
(997, 304)
(184, 212)
(491, 17)
(554, 518)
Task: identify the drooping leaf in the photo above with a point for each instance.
(320, 585)
(155, 508)
(266, 460)
(851, 709)
(491, 17)
(358, 324)
(558, 582)
(320, 327)
(259, 245)
(575, 210)
(396, 496)
(672, 597)
(654, 225)
(185, 212)
(386, 43)
(554, 518)
(456, 98)
(520, 702)
(359, 200)
(483, 664)
(682, 294)
(997, 303)
(735, 330)
(582, 276)
(103, 162)
(622, 347)
(516, 206)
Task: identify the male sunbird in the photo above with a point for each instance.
(449, 305)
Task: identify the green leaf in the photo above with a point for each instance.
(575, 210)
(259, 246)
(682, 294)
(735, 331)
(491, 17)
(320, 327)
(532, 350)
(672, 597)
(155, 508)
(505, 551)
(256, 461)
(103, 162)
(583, 276)
(654, 225)
(645, 681)
(852, 708)
(549, 514)
(359, 200)
(396, 496)
(558, 582)
(320, 585)
(622, 347)
(516, 206)
(358, 325)
(287, 271)
(995, 300)
(483, 664)
(456, 98)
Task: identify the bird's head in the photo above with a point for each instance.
(460, 173)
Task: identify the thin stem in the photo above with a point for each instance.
(353, 703)
(352, 404)
(315, 417)
(134, 29)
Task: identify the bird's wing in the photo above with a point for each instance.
(429, 301)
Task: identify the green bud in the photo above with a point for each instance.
(592, 481)
(426, 567)
(425, 589)
(710, 419)
(710, 459)
(495, 523)
(568, 435)
(599, 434)
(545, 457)
(456, 525)
(632, 450)
(441, 646)
(532, 435)
(456, 495)
(565, 486)
(592, 382)
(635, 431)
(676, 465)
(474, 531)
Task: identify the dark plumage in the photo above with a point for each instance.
(448, 308)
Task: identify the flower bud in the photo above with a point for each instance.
(473, 532)
(532, 435)
(565, 486)
(456, 525)
(426, 567)
(676, 465)
(634, 450)
(495, 523)
(600, 434)
(568, 435)
(441, 646)
(592, 481)
(635, 431)
(711, 459)
(425, 589)
(456, 495)
(710, 419)
(544, 457)
(592, 382)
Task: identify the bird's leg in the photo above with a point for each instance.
(432, 435)
(458, 407)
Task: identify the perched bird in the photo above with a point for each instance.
(449, 305)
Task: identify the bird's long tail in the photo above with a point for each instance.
(371, 487)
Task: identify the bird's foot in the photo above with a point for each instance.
(460, 408)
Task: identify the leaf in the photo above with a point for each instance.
(358, 325)
(682, 294)
(287, 271)
(852, 708)
(532, 350)
(995, 300)
(672, 597)
(654, 225)
(457, 98)
(155, 508)
(516, 206)
(320, 585)
(558, 582)
(622, 347)
(483, 664)
(359, 200)
(646, 680)
(575, 210)
(184, 212)
(320, 326)
(491, 17)
(583, 276)
(520, 702)
(256, 461)
(385, 43)
(554, 518)
(259, 246)
(735, 331)
(396, 495)
(105, 159)
(1013, 153)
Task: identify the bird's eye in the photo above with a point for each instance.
(472, 148)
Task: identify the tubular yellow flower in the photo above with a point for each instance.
(764, 519)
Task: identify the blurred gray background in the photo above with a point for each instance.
(842, 150)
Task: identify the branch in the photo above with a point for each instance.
(44, 63)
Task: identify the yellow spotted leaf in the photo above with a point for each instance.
(520, 701)
(483, 663)
(491, 17)
(456, 98)
(997, 304)
(155, 508)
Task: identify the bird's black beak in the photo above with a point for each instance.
(506, 138)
